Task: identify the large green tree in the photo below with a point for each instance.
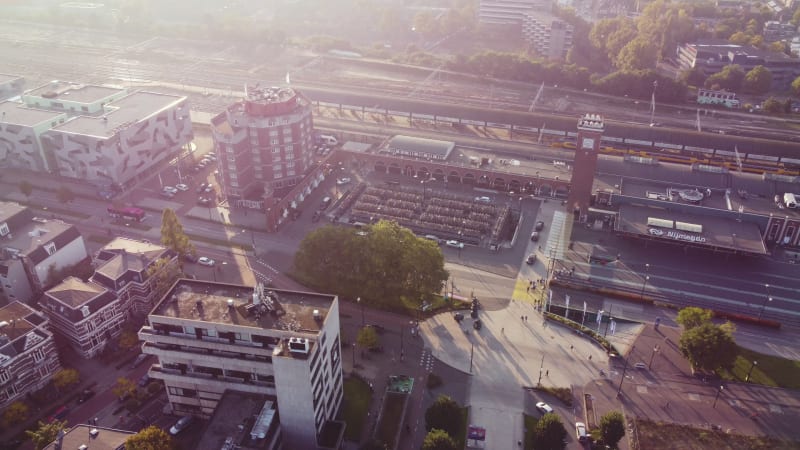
(709, 347)
(638, 54)
(438, 440)
(692, 316)
(612, 427)
(150, 438)
(367, 338)
(443, 414)
(380, 265)
(758, 80)
(730, 77)
(65, 378)
(45, 433)
(173, 236)
(549, 433)
(15, 413)
(162, 274)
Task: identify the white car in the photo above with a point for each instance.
(181, 425)
(169, 189)
(211, 156)
(203, 261)
(544, 408)
(182, 187)
(454, 244)
(580, 431)
(344, 180)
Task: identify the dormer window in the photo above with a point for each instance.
(50, 248)
(4, 230)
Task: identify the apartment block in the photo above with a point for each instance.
(213, 337)
(28, 356)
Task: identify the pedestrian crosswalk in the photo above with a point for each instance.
(426, 360)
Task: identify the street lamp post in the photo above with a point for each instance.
(750, 372)
(766, 299)
(358, 300)
(646, 279)
(656, 349)
(622, 378)
(541, 368)
(721, 388)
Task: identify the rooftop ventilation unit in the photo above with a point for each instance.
(299, 345)
(317, 315)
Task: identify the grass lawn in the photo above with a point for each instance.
(354, 407)
(770, 370)
(390, 420)
(658, 436)
(530, 423)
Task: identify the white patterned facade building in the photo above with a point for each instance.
(100, 134)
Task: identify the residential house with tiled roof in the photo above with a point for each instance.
(28, 356)
(31, 248)
(87, 314)
(123, 266)
(91, 313)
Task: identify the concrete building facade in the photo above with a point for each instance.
(28, 355)
(31, 248)
(100, 134)
(213, 337)
(590, 132)
(264, 143)
(549, 36)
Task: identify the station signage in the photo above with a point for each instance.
(677, 235)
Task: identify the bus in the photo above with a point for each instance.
(127, 213)
(711, 97)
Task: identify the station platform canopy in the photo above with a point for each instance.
(699, 231)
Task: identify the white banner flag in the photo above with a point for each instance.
(600, 316)
(584, 308)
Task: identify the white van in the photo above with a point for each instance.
(790, 200)
(328, 139)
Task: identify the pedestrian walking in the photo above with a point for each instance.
(526, 318)
(502, 330)
(571, 347)
(547, 373)
(522, 318)
(590, 357)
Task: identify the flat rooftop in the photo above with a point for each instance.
(105, 438)
(123, 113)
(18, 114)
(37, 232)
(73, 92)
(716, 232)
(547, 168)
(236, 409)
(208, 302)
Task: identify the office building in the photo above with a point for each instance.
(99, 134)
(711, 56)
(548, 36)
(264, 144)
(212, 337)
(32, 250)
(28, 356)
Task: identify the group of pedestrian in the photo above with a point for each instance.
(524, 318)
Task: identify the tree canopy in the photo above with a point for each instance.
(173, 236)
(612, 427)
(65, 378)
(367, 338)
(549, 433)
(692, 316)
(444, 414)
(150, 438)
(709, 347)
(380, 265)
(438, 440)
(15, 413)
(45, 433)
(758, 80)
(162, 274)
(730, 78)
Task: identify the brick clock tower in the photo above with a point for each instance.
(590, 130)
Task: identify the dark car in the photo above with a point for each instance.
(139, 359)
(477, 324)
(201, 188)
(458, 317)
(145, 380)
(535, 236)
(85, 395)
(182, 424)
(378, 329)
(190, 258)
(539, 226)
(531, 259)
